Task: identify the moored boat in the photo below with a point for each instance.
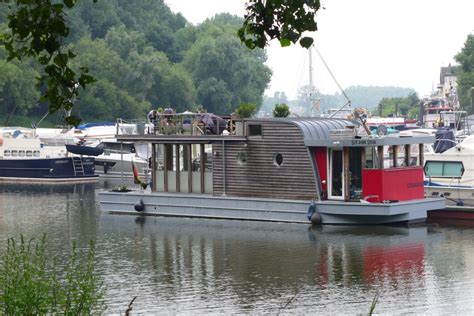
(23, 158)
(112, 159)
(288, 170)
(119, 158)
(450, 174)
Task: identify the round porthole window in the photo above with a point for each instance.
(277, 159)
(242, 158)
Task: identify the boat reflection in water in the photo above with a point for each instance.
(382, 254)
(48, 188)
(198, 266)
(63, 211)
(260, 267)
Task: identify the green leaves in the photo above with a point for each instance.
(281, 110)
(36, 30)
(285, 20)
(465, 72)
(32, 284)
(285, 42)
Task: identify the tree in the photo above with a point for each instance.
(101, 60)
(465, 77)
(175, 89)
(104, 101)
(99, 17)
(218, 58)
(214, 95)
(17, 90)
(398, 106)
(281, 110)
(125, 41)
(39, 29)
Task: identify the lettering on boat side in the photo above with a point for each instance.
(363, 142)
(60, 161)
(415, 184)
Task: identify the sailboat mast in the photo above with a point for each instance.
(311, 85)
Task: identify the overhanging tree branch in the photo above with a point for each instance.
(36, 29)
(285, 20)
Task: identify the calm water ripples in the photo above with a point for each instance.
(180, 265)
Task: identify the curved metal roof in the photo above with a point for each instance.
(317, 132)
(319, 128)
(314, 128)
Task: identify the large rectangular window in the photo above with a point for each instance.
(444, 169)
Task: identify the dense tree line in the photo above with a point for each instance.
(400, 106)
(142, 56)
(465, 76)
(360, 96)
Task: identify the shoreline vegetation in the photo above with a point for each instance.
(32, 282)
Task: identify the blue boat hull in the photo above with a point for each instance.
(48, 169)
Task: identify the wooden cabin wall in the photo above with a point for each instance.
(260, 177)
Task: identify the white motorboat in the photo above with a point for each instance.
(23, 158)
(118, 159)
(451, 173)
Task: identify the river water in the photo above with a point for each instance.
(181, 265)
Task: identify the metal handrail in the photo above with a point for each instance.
(179, 124)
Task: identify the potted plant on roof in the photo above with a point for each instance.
(245, 110)
(281, 110)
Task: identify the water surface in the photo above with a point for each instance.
(181, 265)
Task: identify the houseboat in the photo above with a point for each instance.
(23, 158)
(300, 170)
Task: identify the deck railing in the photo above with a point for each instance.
(179, 124)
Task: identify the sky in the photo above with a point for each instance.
(399, 43)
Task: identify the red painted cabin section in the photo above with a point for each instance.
(395, 184)
(321, 157)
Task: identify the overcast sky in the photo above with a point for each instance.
(365, 42)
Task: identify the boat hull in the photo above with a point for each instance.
(116, 168)
(455, 196)
(258, 209)
(48, 170)
(459, 202)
